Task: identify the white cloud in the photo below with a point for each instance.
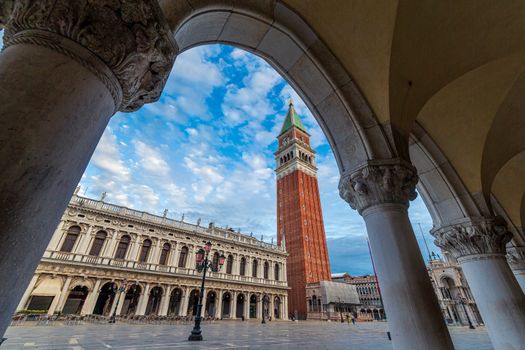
(107, 157)
(151, 160)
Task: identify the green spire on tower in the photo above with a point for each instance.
(292, 119)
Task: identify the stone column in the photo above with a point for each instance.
(233, 306)
(155, 252)
(284, 307)
(165, 302)
(218, 309)
(91, 299)
(258, 313)
(57, 234)
(27, 294)
(381, 192)
(64, 293)
(516, 259)
(247, 306)
(122, 298)
(85, 240)
(143, 301)
(478, 244)
(110, 248)
(272, 306)
(172, 260)
(185, 300)
(66, 67)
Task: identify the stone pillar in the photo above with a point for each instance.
(478, 244)
(248, 267)
(120, 305)
(85, 240)
(60, 81)
(233, 306)
(165, 302)
(185, 300)
(155, 252)
(133, 250)
(27, 294)
(284, 307)
(172, 260)
(91, 299)
(258, 313)
(247, 306)
(381, 192)
(143, 301)
(53, 244)
(516, 259)
(110, 248)
(218, 309)
(271, 312)
(64, 293)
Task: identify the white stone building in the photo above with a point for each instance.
(99, 247)
(329, 300)
(453, 292)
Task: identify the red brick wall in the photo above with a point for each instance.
(300, 218)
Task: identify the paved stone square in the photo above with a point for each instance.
(222, 335)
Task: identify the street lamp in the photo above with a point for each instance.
(122, 288)
(203, 264)
(265, 300)
(462, 302)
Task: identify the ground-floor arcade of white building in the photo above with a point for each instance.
(75, 295)
(66, 89)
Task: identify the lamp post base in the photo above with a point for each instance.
(195, 336)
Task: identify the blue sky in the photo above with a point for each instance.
(205, 150)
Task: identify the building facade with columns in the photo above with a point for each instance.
(424, 105)
(371, 307)
(453, 292)
(99, 247)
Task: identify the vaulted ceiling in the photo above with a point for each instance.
(455, 67)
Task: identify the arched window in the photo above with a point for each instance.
(98, 243)
(266, 268)
(164, 254)
(71, 238)
(215, 261)
(229, 264)
(144, 252)
(276, 272)
(254, 268)
(183, 256)
(122, 247)
(242, 269)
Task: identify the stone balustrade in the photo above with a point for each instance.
(152, 267)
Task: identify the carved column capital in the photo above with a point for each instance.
(516, 258)
(474, 238)
(129, 37)
(379, 182)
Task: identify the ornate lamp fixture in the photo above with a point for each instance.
(201, 258)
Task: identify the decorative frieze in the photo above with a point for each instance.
(516, 258)
(379, 182)
(473, 237)
(130, 37)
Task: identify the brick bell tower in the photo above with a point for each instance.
(299, 214)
